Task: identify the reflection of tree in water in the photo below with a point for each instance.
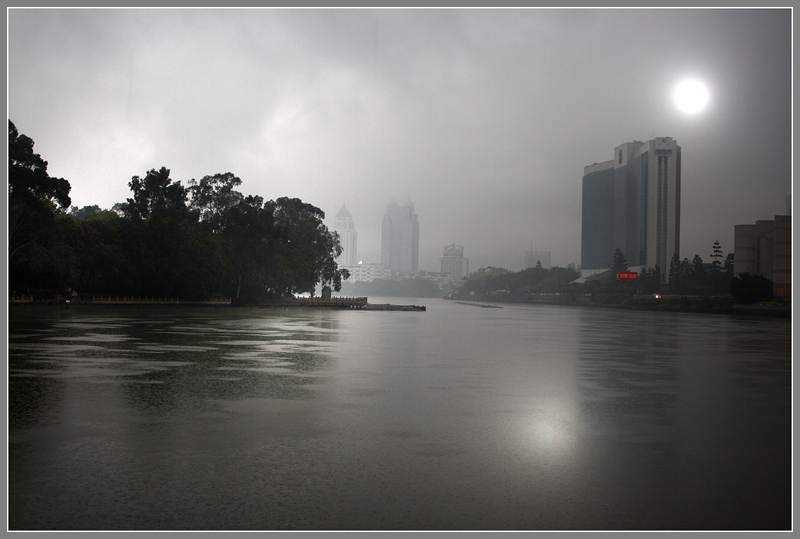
(32, 393)
(224, 358)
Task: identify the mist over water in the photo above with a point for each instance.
(525, 417)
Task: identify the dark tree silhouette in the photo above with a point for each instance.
(618, 262)
(749, 288)
(34, 197)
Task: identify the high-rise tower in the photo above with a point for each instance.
(347, 237)
(632, 203)
(400, 238)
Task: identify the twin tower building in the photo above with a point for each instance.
(632, 203)
(399, 239)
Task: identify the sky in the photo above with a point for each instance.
(483, 118)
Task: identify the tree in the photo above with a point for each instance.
(212, 196)
(34, 197)
(697, 277)
(650, 280)
(674, 275)
(308, 247)
(729, 264)
(251, 239)
(155, 194)
(618, 262)
(81, 213)
(91, 248)
(749, 288)
(716, 254)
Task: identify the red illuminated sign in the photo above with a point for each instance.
(627, 275)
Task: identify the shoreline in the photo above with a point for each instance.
(669, 305)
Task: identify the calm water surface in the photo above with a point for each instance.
(525, 417)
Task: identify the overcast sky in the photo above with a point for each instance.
(485, 119)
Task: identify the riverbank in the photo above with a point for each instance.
(688, 304)
(359, 303)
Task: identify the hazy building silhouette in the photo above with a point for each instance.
(400, 238)
(344, 226)
(532, 257)
(765, 248)
(632, 203)
(453, 262)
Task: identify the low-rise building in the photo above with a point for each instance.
(367, 272)
(765, 248)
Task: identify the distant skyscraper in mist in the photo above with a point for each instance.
(453, 262)
(632, 203)
(400, 238)
(348, 237)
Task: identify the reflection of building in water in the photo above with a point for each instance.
(765, 248)
(347, 237)
(632, 203)
(367, 272)
(453, 262)
(532, 257)
(400, 238)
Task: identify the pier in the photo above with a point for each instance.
(335, 303)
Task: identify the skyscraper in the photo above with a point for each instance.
(347, 237)
(632, 203)
(400, 238)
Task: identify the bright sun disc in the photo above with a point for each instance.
(691, 96)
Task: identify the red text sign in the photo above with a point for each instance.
(627, 275)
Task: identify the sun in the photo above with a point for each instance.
(690, 96)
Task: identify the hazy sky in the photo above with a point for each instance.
(484, 118)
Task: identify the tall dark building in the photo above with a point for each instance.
(632, 203)
(400, 239)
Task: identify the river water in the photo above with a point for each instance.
(458, 418)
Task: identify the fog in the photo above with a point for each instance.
(484, 118)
